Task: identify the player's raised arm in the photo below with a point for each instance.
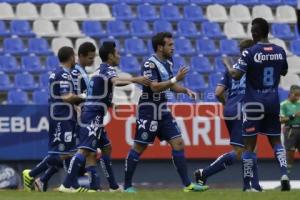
(118, 81)
(235, 73)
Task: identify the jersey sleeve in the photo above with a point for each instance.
(243, 62)
(224, 81)
(111, 72)
(65, 83)
(149, 70)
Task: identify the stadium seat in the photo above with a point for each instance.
(170, 13)
(7, 12)
(293, 62)
(25, 81)
(117, 29)
(51, 11)
(216, 13)
(93, 29)
(225, 2)
(57, 43)
(171, 97)
(26, 11)
(282, 44)
(195, 81)
(44, 28)
(229, 47)
(110, 2)
(140, 28)
(234, 30)
(212, 30)
(201, 64)
(80, 41)
(289, 80)
(122, 12)
(207, 47)
(147, 12)
(130, 64)
(188, 29)
(155, 2)
(5, 83)
(32, 64)
(9, 64)
(40, 97)
(214, 79)
(272, 3)
(3, 30)
(194, 13)
(283, 94)
(18, 97)
(177, 2)
(75, 11)
(134, 2)
(44, 81)
(282, 31)
(202, 2)
(262, 11)
(52, 63)
(21, 28)
(14, 46)
(99, 11)
(136, 47)
(62, 2)
(209, 95)
(178, 62)
(220, 67)
(248, 2)
(68, 28)
(286, 14)
(184, 47)
(39, 46)
(295, 47)
(240, 13)
(183, 98)
(162, 26)
(290, 2)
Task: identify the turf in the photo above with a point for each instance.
(218, 194)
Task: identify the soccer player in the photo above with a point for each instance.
(99, 99)
(263, 64)
(62, 118)
(290, 116)
(235, 90)
(154, 119)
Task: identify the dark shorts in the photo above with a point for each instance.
(148, 129)
(291, 138)
(235, 131)
(62, 137)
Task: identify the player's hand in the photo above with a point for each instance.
(191, 93)
(142, 80)
(182, 73)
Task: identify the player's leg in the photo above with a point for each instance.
(291, 137)
(91, 169)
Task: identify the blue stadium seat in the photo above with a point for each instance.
(132, 1)
(147, 12)
(170, 13)
(39, 46)
(136, 47)
(140, 28)
(44, 81)
(14, 46)
(130, 64)
(209, 95)
(171, 97)
(202, 2)
(18, 97)
(162, 26)
(220, 67)
(188, 29)
(117, 29)
(5, 83)
(214, 79)
(3, 30)
(32, 64)
(40, 97)
(290, 2)
(52, 63)
(178, 62)
(184, 47)
(184, 98)
(178, 2)
(225, 2)
(93, 29)
(14, 1)
(297, 34)
(282, 31)
(212, 30)
(122, 12)
(229, 47)
(201, 64)
(272, 3)
(25, 81)
(107, 1)
(156, 2)
(195, 81)
(295, 47)
(150, 48)
(21, 28)
(283, 94)
(248, 2)
(9, 64)
(207, 47)
(194, 13)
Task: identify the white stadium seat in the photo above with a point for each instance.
(120, 96)
(6, 11)
(294, 64)
(234, 30)
(26, 11)
(288, 80)
(99, 11)
(216, 13)
(75, 11)
(44, 28)
(240, 13)
(51, 11)
(282, 44)
(69, 28)
(57, 43)
(263, 11)
(286, 14)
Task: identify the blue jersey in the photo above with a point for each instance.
(263, 64)
(80, 79)
(100, 90)
(155, 70)
(236, 92)
(61, 84)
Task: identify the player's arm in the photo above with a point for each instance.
(285, 65)
(180, 89)
(118, 81)
(72, 98)
(235, 73)
(220, 93)
(283, 116)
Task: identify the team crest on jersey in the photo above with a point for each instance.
(144, 136)
(142, 123)
(68, 136)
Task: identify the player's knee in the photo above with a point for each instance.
(177, 144)
(84, 152)
(239, 151)
(139, 148)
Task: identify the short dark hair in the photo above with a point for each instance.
(107, 47)
(85, 48)
(244, 44)
(294, 87)
(262, 25)
(158, 39)
(65, 53)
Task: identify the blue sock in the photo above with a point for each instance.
(250, 170)
(181, 166)
(48, 174)
(220, 164)
(108, 171)
(280, 156)
(76, 163)
(94, 177)
(66, 163)
(50, 160)
(130, 166)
